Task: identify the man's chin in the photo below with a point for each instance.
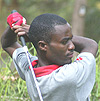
(67, 62)
(70, 61)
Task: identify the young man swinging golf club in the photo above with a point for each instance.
(59, 78)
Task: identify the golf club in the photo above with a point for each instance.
(29, 61)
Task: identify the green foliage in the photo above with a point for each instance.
(31, 49)
(12, 87)
(95, 95)
(33, 8)
(64, 8)
(92, 23)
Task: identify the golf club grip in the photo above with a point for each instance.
(22, 40)
(21, 37)
(13, 11)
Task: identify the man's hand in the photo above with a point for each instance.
(22, 31)
(9, 38)
(17, 27)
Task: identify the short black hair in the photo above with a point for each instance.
(43, 26)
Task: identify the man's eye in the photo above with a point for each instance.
(64, 42)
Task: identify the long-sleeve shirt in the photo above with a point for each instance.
(70, 82)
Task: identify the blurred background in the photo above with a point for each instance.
(83, 16)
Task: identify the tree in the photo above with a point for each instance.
(79, 17)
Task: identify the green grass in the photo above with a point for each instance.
(13, 88)
(95, 95)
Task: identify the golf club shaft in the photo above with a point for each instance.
(29, 61)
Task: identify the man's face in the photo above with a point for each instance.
(60, 49)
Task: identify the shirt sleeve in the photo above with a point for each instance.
(79, 76)
(21, 62)
(85, 72)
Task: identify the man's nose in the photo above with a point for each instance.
(71, 46)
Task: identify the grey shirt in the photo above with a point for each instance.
(71, 82)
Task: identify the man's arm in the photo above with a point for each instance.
(9, 38)
(83, 44)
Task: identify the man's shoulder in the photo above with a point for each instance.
(85, 56)
(20, 52)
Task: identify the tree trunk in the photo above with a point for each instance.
(78, 17)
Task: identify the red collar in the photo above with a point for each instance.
(44, 70)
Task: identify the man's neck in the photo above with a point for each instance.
(42, 62)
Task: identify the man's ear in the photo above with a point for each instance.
(42, 45)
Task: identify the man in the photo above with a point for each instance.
(58, 78)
